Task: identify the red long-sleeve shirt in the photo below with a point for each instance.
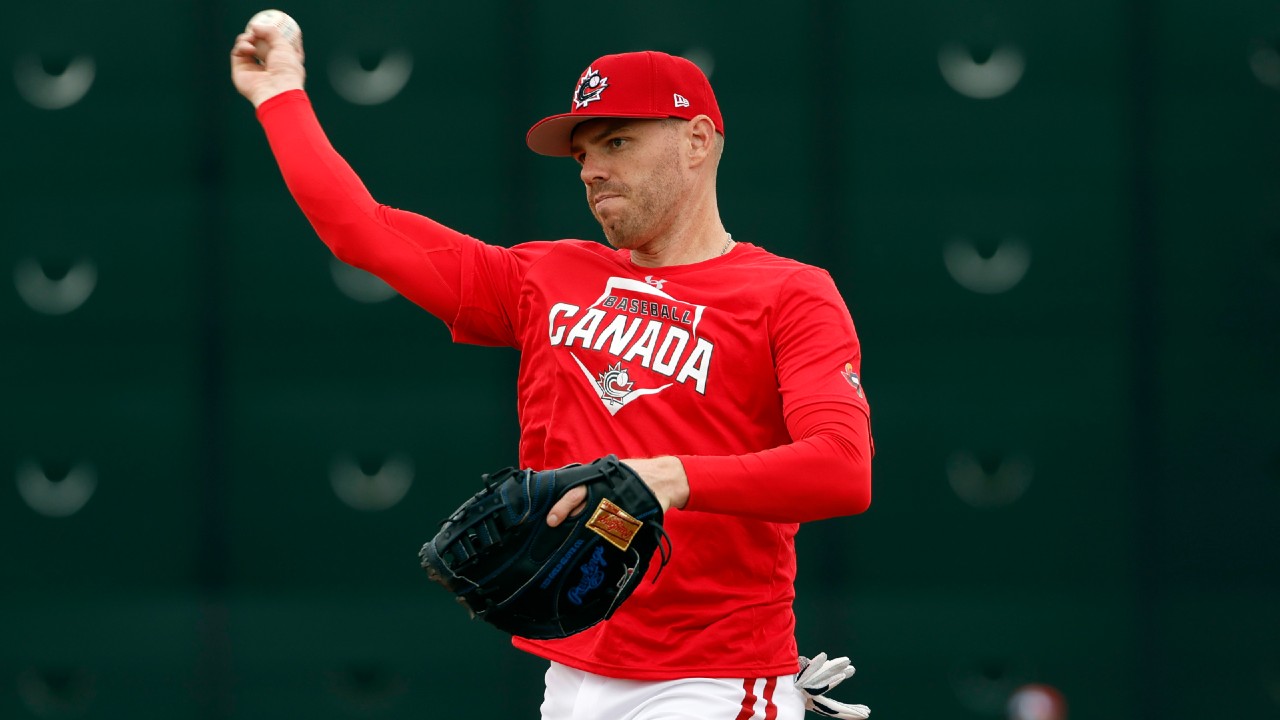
(744, 366)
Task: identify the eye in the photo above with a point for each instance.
(617, 142)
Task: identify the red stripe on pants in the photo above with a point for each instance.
(748, 710)
(748, 702)
(770, 710)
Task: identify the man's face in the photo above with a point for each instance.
(633, 177)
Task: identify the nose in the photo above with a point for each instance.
(593, 170)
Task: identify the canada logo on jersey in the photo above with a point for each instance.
(648, 339)
(614, 383)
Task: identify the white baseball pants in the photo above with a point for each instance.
(576, 695)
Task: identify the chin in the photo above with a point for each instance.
(616, 239)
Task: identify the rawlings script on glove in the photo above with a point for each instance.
(819, 675)
(499, 557)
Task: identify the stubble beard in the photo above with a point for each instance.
(630, 227)
(645, 210)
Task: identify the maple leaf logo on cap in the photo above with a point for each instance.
(589, 88)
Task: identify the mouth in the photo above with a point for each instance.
(602, 198)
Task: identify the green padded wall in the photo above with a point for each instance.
(1056, 227)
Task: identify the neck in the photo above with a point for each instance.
(677, 252)
(685, 243)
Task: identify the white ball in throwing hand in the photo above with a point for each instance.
(288, 27)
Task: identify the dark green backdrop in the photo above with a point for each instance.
(1057, 226)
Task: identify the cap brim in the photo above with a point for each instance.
(552, 136)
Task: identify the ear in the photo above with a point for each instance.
(700, 133)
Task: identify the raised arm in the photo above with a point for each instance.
(417, 256)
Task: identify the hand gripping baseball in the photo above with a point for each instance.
(820, 675)
(267, 58)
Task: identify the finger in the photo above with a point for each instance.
(262, 30)
(243, 56)
(270, 37)
(243, 47)
(570, 504)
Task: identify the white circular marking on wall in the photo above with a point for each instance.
(54, 296)
(359, 285)
(982, 488)
(55, 498)
(986, 80)
(371, 492)
(993, 275)
(53, 91)
(374, 86)
(703, 58)
(1264, 61)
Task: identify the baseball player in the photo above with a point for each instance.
(725, 376)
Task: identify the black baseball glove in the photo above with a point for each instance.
(499, 557)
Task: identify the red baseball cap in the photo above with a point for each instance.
(645, 84)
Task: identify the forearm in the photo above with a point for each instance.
(418, 257)
(323, 184)
(825, 473)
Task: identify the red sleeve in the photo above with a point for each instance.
(419, 257)
(825, 473)
(826, 470)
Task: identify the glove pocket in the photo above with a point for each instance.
(576, 588)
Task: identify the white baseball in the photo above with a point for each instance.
(287, 26)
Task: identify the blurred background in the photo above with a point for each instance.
(1057, 226)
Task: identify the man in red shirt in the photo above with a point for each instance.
(727, 376)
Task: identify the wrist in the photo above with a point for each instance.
(267, 93)
(679, 487)
(665, 477)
